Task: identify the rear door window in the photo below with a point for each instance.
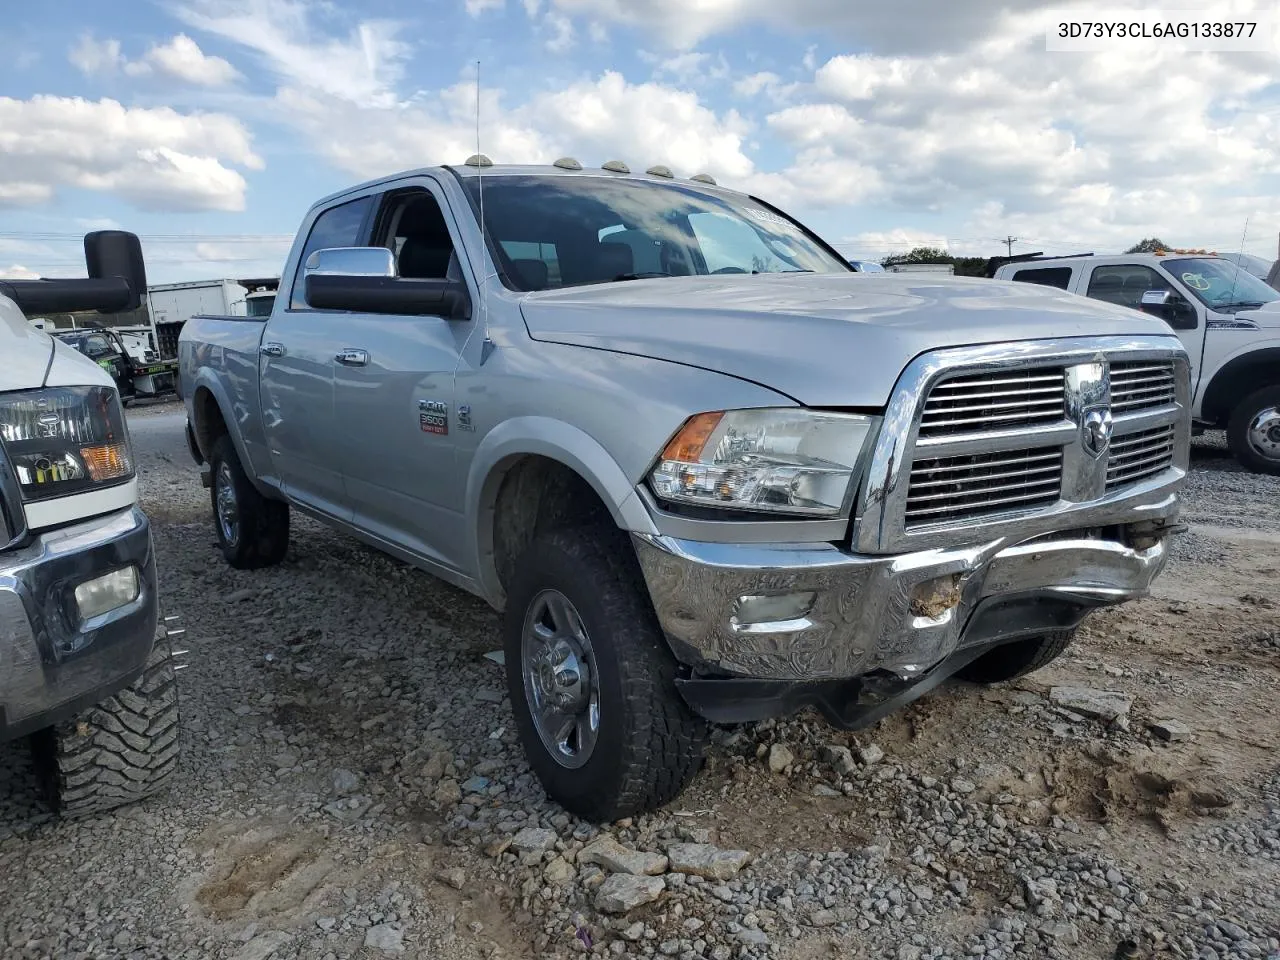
(1059, 277)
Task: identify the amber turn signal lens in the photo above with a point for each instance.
(686, 446)
(107, 462)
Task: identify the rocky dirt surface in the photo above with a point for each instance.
(351, 785)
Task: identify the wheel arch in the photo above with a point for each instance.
(1236, 379)
(540, 471)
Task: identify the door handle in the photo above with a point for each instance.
(272, 349)
(350, 357)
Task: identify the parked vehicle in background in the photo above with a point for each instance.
(135, 379)
(1227, 318)
(866, 266)
(81, 670)
(938, 268)
(707, 474)
(172, 304)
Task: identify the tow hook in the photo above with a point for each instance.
(1144, 536)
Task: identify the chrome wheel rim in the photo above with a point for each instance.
(228, 511)
(561, 682)
(1264, 433)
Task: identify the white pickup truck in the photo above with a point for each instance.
(80, 666)
(1227, 318)
(709, 472)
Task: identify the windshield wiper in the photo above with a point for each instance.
(643, 276)
(1240, 305)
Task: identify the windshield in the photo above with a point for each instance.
(1220, 284)
(556, 231)
(1255, 265)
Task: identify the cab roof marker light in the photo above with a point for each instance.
(478, 160)
(615, 166)
(567, 163)
(704, 178)
(658, 170)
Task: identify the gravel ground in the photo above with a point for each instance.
(351, 785)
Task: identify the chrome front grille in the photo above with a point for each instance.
(1137, 456)
(953, 488)
(1142, 385)
(1009, 433)
(966, 403)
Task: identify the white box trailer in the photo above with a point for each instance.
(173, 304)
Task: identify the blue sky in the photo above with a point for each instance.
(209, 126)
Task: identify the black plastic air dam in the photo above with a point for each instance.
(859, 702)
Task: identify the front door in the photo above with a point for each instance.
(1125, 283)
(295, 369)
(395, 414)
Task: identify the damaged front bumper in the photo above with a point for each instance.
(768, 628)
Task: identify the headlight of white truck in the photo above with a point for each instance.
(65, 440)
(775, 460)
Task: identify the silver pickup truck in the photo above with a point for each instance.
(708, 471)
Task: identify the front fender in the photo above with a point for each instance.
(555, 440)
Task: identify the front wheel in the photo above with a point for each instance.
(118, 752)
(1253, 432)
(1010, 661)
(252, 531)
(591, 680)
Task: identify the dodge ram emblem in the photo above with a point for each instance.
(1096, 431)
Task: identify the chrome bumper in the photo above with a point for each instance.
(846, 615)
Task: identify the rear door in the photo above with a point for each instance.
(396, 417)
(295, 368)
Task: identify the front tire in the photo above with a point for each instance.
(1013, 660)
(252, 531)
(1253, 432)
(118, 752)
(591, 680)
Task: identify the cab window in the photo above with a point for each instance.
(338, 226)
(1124, 284)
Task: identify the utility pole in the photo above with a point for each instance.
(1009, 242)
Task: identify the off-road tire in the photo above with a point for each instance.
(1013, 660)
(1238, 430)
(118, 752)
(263, 538)
(650, 744)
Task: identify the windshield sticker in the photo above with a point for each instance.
(1197, 281)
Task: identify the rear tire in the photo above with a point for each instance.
(644, 744)
(252, 530)
(118, 752)
(1253, 432)
(1013, 660)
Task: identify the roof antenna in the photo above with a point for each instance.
(486, 347)
(1231, 297)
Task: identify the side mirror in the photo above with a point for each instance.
(1169, 306)
(363, 280)
(113, 254)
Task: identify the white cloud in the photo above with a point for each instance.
(92, 56)
(477, 7)
(361, 67)
(182, 57)
(561, 27)
(754, 84)
(154, 158)
(16, 271)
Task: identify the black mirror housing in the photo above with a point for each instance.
(113, 254)
(446, 298)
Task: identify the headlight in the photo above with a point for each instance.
(63, 440)
(782, 461)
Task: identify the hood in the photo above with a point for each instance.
(25, 352)
(825, 340)
(1266, 316)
